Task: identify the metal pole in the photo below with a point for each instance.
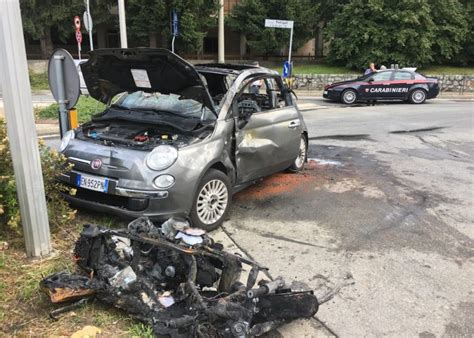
(289, 52)
(89, 17)
(291, 43)
(21, 131)
(123, 24)
(220, 34)
(63, 112)
(172, 43)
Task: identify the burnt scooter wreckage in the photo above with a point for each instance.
(178, 280)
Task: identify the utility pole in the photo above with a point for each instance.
(123, 24)
(220, 34)
(21, 131)
(89, 25)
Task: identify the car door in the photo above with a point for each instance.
(268, 129)
(401, 83)
(376, 86)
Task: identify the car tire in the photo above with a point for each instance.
(212, 200)
(299, 162)
(417, 96)
(349, 96)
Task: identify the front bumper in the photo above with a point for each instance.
(124, 202)
(332, 94)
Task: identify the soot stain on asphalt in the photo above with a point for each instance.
(400, 219)
(353, 137)
(420, 130)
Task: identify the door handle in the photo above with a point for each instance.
(294, 124)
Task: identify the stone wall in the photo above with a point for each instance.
(448, 83)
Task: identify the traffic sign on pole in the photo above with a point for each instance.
(286, 69)
(174, 27)
(174, 23)
(77, 24)
(87, 19)
(278, 23)
(79, 37)
(283, 24)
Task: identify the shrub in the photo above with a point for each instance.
(52, 163)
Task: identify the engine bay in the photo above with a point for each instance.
(137, 135)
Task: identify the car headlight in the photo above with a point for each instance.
(68, 136)
(163, 181)
(161, 157)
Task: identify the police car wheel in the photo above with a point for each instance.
(349, 96)
(417, 96)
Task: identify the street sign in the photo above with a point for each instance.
(174, 23)
(77, 22)
(87, 19)
(282, 24)
(69, 74)
(174, 27)
(78, 37)
(286, 69)
(278, 23)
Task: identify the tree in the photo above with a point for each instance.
(467, 53)
(40, 17)
(407, 32)
(451, 29)
(150, 19)
(248, 17)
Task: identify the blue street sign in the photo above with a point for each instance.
(174, 23)
(286, 69)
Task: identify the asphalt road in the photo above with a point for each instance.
(381, 219)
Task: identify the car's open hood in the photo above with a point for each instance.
(112, 71)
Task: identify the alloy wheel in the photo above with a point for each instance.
(212, 201)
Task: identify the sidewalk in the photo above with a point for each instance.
(42, 98)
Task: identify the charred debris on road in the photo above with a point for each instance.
(176, 279)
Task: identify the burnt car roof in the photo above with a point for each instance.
(115, 70)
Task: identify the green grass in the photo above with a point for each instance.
(141, 330)
(39, 81)
(308, 68)
(86, 107)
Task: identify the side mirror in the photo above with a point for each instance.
(370, 79)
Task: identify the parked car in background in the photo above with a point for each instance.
(177, 139)
(393, 84)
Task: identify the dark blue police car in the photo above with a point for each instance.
(392, 84)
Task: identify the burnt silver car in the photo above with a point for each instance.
(177, 140)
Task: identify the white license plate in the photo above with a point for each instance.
(92, 182)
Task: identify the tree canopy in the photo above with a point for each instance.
(248, 17)
(151, 19)
(407, 32)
